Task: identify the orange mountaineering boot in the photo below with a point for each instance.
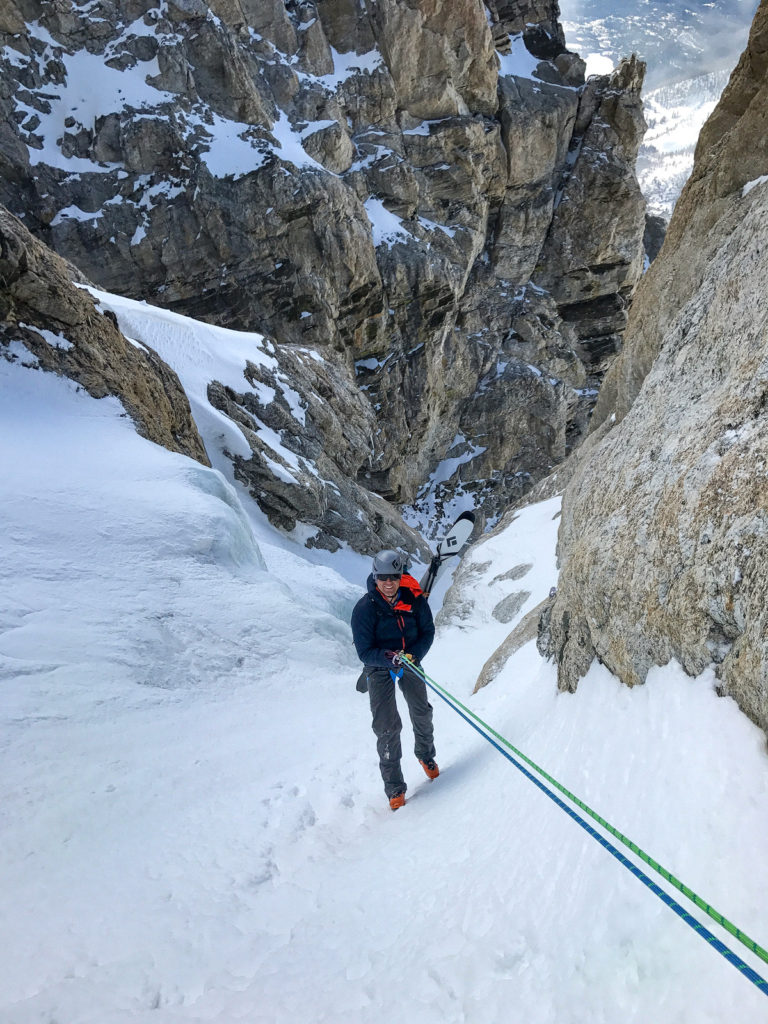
(397, 801)
(430, 767)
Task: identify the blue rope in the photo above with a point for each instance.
(672, 903)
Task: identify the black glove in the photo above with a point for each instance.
(393, 657)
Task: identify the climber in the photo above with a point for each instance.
(391, 625)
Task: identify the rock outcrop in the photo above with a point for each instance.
(308, 428)
(293, 395)
(41, 306)
(593, 290)
(425, 192)
(664, 536)
(525, 631)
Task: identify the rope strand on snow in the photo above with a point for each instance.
(479, 725)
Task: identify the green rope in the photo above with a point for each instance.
(702, 904)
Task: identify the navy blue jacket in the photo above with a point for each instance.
(405, 626)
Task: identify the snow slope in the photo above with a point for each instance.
(193, 824)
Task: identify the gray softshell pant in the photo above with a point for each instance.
(387, 724)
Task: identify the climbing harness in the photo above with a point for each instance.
(492, 737)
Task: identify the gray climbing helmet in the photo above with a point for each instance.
(390, 563)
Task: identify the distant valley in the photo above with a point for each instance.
(690, 54)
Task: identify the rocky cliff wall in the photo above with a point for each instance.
(664, 536)
(63, 332)
(50, 322)
(426, 193)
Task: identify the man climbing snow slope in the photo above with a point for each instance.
(391, 625)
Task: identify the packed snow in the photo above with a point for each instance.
(519, 61)
(347, 65)
(598, 64)
(386, 227)
(194, 825)
(753, 184)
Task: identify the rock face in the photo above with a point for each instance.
(425, 192)
(653, 239)
(593, 290)
(664, 537)
(60, 325)
(324, 425)
(326, 421)
(526, 630)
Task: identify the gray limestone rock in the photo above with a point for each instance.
(592, 289)
(536, 20)
(355, 177)
(39, 303)
(11, 19)
(515, 573)
(440, 54)
(653, 238)
(327, 433)
(332, 147)
(508, 607)
(663, 542)
(525, 631)
(321, 418)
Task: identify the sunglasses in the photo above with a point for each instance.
(388, 576)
